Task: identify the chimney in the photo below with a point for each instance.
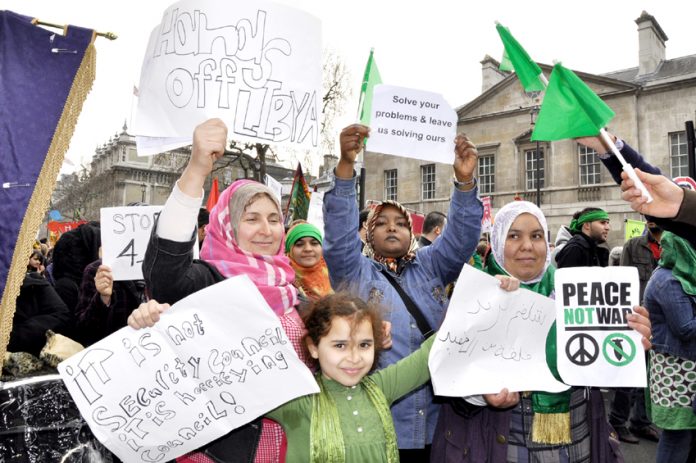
(651, 44)
(490, 75)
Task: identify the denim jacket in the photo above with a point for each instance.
(672, 315)
(424, 279)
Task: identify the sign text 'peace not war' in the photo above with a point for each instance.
(412, 123)
(211, 364)
(256, 65)
(596, 347)
(491, 339)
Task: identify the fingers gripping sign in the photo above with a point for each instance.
(146, 315)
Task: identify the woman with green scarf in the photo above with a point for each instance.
(565, 427)
(671, 299)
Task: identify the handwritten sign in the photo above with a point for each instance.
(412, 123)
(491, 339)
(211, 364)
(125, 233)
(595, 345)
(254, 64)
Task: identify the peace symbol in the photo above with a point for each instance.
(583, 352)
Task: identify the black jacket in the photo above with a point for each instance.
(581, 251)
(39, 308)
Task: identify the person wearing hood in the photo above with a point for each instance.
(562, 237)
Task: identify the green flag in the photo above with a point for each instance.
(633, 228)
(370, 79)
(570, 109)
(298, 205)
(505, 63)
(527, 70)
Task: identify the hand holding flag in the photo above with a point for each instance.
(370, 79)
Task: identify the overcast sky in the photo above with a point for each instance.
(433, 45)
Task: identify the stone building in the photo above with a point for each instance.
(117, 176)
(652, 102)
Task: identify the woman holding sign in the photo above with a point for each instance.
(671, 298)
(570, 426)
(245, 235)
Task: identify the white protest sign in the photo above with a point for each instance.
(215, 361)
(125, 233)
(254, 64)
(276, 186)
(412, 123)
(315, 211)
(595, 345)
(491, 339)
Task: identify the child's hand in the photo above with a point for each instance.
(508, 283)
(387, 338)
(146, 315)
(503, 399)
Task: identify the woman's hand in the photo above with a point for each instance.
(209, 141)
(508, 283)
(146, 315)
(387, 337)
(351, 140)
(639, 320)
(104, 282)
(503, 399)
(465, 160)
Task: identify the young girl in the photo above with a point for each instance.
(349, 420)
(303, 245)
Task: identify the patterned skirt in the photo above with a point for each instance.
(672, 382)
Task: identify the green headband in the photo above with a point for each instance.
(301, 230)
(576, 224)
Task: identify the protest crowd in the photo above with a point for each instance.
(361, 303)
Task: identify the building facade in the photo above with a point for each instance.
(652, 102)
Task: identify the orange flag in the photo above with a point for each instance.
(213, 196)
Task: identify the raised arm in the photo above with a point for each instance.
(342, 250)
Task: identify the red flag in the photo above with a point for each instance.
(213, 196)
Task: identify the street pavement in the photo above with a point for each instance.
(643, 452)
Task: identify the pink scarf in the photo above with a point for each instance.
(272, 275)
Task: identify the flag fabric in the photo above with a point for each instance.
(526, 69)
(370, 79)
(298, 205)
(570, 109)
(505, 63)
(633, 228)
(45, 80)
(213, 195)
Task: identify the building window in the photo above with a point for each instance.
(486, 174)
(678, 154)
(390, 185)
(589, 166)
(427, 181)
(531, 168)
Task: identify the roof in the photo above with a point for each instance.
(682, 66)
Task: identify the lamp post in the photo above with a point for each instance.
(533, 116)
(257, 170)
(143, 189)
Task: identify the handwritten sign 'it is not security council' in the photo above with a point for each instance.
(595, 345)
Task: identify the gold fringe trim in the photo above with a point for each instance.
(551, 428)
(45, 183)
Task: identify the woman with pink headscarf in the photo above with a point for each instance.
(245, 235)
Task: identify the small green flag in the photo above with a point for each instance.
(298, 205)
(570, 109)
(370, 79)
(505, 63)
(633, 228)
(527, 70)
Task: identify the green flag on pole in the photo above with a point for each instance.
(370, 79)
(298, 204)
(570, 109)
(505, 63)
(527, 70)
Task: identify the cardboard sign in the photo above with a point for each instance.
(315, 211)
(595, 346)
(254, 64)
(412, 123)
(211, 364)
(491, 339)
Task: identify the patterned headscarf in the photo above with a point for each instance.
(272, 274)
(396, 265)
(503, 221)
